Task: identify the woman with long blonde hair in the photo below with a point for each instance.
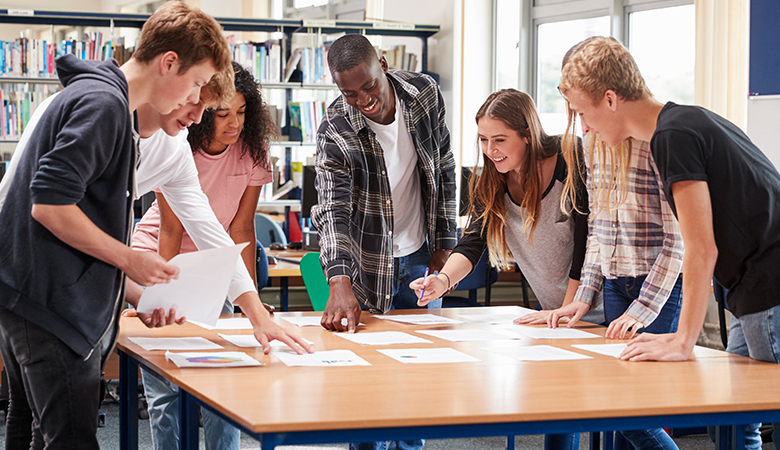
(516, 207)
(635, 250)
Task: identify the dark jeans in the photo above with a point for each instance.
(618, 296)
(405, 270)
(621, 292)
(53, 392)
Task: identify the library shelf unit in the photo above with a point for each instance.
(285, 26)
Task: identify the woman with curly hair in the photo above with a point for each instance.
(230, 149)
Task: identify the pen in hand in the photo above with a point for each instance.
(422, 291)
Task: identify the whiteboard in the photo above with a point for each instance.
(763, 125)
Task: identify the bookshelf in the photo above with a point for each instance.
(287, 28)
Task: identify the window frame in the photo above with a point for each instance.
(538, 12)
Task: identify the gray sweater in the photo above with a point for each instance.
(558, 249)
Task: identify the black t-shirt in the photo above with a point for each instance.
(692, 143)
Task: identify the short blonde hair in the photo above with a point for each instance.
(195, 36)
(598, 64)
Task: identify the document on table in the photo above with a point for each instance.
(236, 323)
(504, 318)
(178, 343)
(310, 321)
(603, 349)
(329, 358)
(428, 355)
(536, 353)
(383, 338)
(199, 292)
(249, 340)
(552, 333)
(467, 335)
(419, 319)
(212, 359)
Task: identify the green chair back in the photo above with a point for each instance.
(314, 279)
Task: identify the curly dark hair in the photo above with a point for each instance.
(259, 126)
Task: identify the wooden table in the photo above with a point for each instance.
(284, 270)
(282, 405)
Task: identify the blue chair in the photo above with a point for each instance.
(262, 267)
(483, 276)
(268, 230)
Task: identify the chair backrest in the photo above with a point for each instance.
(314, 280)
(268, 230)
(262, 267)
(478, 277)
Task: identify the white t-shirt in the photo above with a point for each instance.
(401, 163)
(167, 163)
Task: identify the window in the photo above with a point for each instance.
(507, 43)
(554, 39)
(529, 57)
(665, 59)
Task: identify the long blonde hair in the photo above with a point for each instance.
(594, 66)
(518, 112)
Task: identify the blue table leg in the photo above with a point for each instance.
(510, 442)
(128, 402)
(737, 436)
(188, 417)
(284, 291)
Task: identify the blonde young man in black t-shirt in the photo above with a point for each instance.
(722, 188)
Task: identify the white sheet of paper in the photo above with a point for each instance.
(309, 321)
(199, 292)
(504, 318)
(212, 359)
(428, 355)
(330, 358)
(536, 353)
(613, 350)
(552, 333)
(237, 323)
(467, 335)
(383, 338)
(248, 340)
(419, 319)
(179, 343)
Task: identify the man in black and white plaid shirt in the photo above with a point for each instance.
(386, 184)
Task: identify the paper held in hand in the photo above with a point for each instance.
(202, 287)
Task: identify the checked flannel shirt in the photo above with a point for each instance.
(354, 213)
(641, 237)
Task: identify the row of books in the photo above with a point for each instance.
(308, 65)
(305, 118)
(35, 57)
(18, 105)
(398, 58)
(311, 64)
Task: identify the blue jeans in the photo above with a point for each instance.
(163, 399)
(54, 393)
(619, 293)
(738, 346)
(761, 332)
(405, 270)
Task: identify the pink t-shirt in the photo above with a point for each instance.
(223, 178)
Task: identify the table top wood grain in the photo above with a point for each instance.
(497, 389)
